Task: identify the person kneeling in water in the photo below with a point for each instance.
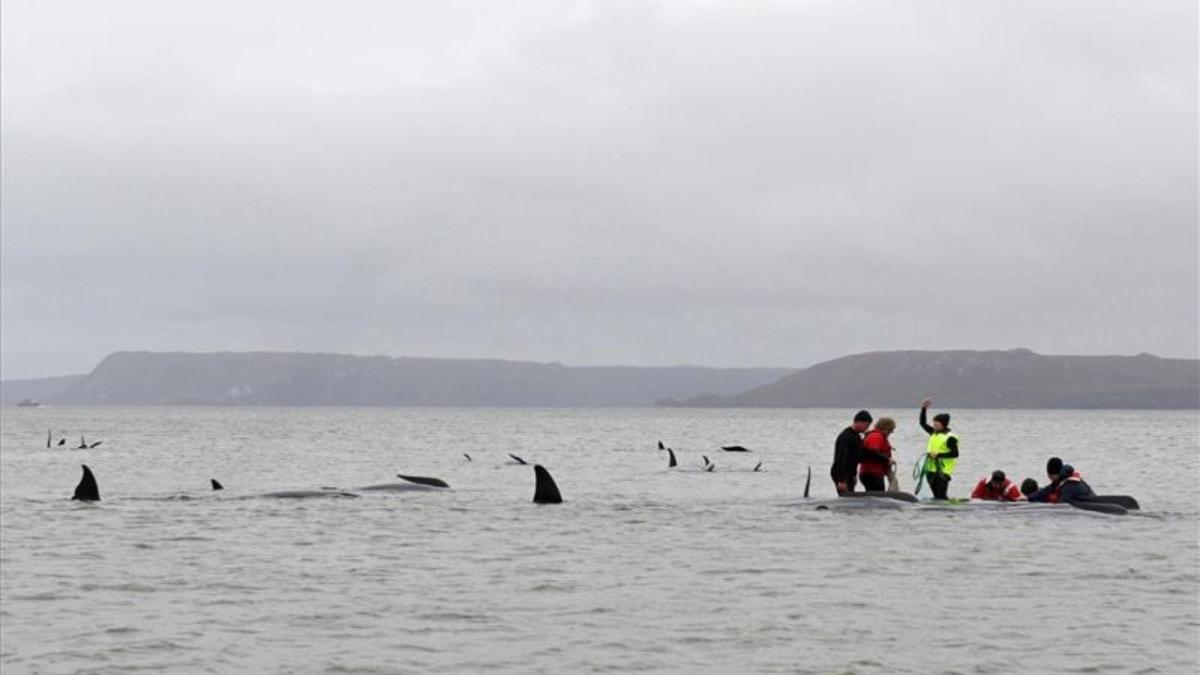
(876, 455)
(1071, 487)
(1048, 494)
(999, 488)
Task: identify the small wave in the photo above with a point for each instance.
(127, 587)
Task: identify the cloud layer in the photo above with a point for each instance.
(764, 183)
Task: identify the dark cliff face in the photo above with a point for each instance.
(272, 378)
(983, 379)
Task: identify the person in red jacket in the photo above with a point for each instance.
(999, 488)
(876, 455)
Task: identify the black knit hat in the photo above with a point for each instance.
(1054, 466)
(862, 416)
(998, 476)
(944, 418)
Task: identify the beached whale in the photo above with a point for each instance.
(307, 494)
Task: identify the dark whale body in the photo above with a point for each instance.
(545, 490)
(87, 490)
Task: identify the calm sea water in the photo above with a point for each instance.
(642, 569)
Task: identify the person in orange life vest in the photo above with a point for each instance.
(876, 457)
(1049, 493)
(999, 488)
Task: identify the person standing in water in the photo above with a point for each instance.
(941, 454)
(876, 456)
(846, 453)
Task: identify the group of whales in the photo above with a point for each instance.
(545, 490)
(708, 465)
(83, 444)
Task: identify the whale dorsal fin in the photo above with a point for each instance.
(518, 460)
(672, 461)
(87, 490)
(216, 484)
(545, 491)
(424, 480)
(758, 466)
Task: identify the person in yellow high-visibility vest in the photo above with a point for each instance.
(941, 454)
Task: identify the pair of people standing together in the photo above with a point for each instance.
(869, 459)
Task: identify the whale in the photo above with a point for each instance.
(758, 466)
(87, 490)
(307, 494)
(216, 485)
(467, 456)
(545, 490)
(62, 441)
(734, 448)
(807, 482)
(95, 444)
(518, 460)
(671, 462)
(82, 444)
(48, 439)
(661, 446)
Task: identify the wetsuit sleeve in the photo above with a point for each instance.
(952, 444)
(1042, 494)
(924, 424)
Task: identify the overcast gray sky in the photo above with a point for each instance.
(721, 183)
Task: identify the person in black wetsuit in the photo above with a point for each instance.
(1072, 488)
(847, 451)
(1049, 493)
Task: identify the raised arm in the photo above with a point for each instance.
(924, 424)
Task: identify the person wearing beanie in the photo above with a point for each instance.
(847, 451)
(941, 454)
(877, 455)
(1049, 493)
(998, 488)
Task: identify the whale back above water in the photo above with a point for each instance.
(307, 494)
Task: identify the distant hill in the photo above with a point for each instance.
(13, 392)
(978, 379)
(300, 379)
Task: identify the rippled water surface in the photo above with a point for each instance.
(642, 569)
